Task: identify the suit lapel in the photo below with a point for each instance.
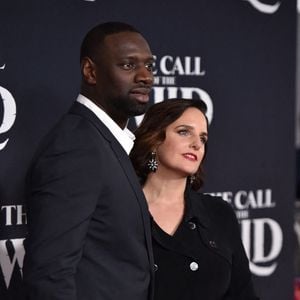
(126, 165)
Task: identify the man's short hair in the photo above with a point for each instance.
(95, 37)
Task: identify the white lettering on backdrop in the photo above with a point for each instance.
(9, 111)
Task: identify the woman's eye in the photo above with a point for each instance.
(183, 132)
(203, 139)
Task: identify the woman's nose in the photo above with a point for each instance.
(195, 144)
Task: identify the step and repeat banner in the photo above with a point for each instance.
(298, 105)
(239, 56)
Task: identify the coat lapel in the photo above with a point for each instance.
(127, 167)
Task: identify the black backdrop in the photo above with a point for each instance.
(238, 55)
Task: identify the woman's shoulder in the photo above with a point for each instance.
(209, 201)
(214, 207)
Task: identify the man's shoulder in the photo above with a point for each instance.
(77, 124)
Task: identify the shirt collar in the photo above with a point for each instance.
(124, 136)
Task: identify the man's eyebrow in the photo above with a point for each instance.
(132, 56)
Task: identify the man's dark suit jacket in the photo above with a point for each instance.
(89, 229)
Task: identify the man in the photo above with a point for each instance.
(89, 230)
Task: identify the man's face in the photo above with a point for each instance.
(123, 75)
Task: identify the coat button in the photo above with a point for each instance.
(155, 267)
(194, 266)
(213, 244)
(192, 225)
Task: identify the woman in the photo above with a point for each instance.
(196, 240)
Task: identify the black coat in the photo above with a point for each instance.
(89, 227)
(205, 258)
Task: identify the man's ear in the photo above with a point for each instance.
(88, 70)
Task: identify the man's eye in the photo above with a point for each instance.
(128, 66)
(149, 67)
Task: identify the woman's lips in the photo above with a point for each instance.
(190, 156)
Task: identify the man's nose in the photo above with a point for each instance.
(144, 75)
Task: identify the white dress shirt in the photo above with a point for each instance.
(124, 136)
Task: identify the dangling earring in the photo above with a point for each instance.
(152, 163)
(192, 179)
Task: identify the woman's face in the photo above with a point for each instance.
(182, 151)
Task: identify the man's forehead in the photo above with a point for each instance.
(121, 37)
(127, 42)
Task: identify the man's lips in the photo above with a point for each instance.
(141, 94)
(190, 156)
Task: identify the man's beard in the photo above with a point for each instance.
(129, 107)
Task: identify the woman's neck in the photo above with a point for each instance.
(160, 189)
(165, 199)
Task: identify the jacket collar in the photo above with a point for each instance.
(124, 160)
(195, 208)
